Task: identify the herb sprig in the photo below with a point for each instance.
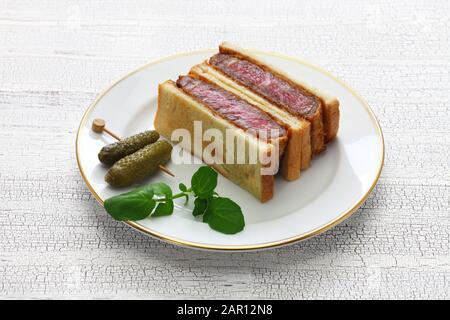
(156, 200)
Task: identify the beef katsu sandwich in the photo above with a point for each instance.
(281, 120)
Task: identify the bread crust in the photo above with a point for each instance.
(331, 118)
(297, 155)
(173, 101)
(324, 123)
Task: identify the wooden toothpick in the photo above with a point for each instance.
(99, 126)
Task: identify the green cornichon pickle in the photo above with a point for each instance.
(139, 165)
(113, 152)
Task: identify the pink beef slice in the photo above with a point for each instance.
(266, 84)
(231, 107)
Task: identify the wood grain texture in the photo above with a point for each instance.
(57, 242)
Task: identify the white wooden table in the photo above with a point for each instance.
(57, 242)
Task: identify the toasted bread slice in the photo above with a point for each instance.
(324, 123)
(178, 110)
(297, 154)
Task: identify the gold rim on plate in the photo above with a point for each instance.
(341, 217)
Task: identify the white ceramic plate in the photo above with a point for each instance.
(336, 184)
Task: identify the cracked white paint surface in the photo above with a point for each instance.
(57, 242)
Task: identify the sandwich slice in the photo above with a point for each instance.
(250, 73)
(192, 100)
(298, 147)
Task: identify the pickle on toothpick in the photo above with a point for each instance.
(139, 165)
(113, 152)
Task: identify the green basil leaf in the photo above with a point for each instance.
(203, 182)
(182, 187)
(161, 189)
(163, 209)
(225, 216)
(148, 190)
(200, 206)
(133, 205)
(206, 215)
